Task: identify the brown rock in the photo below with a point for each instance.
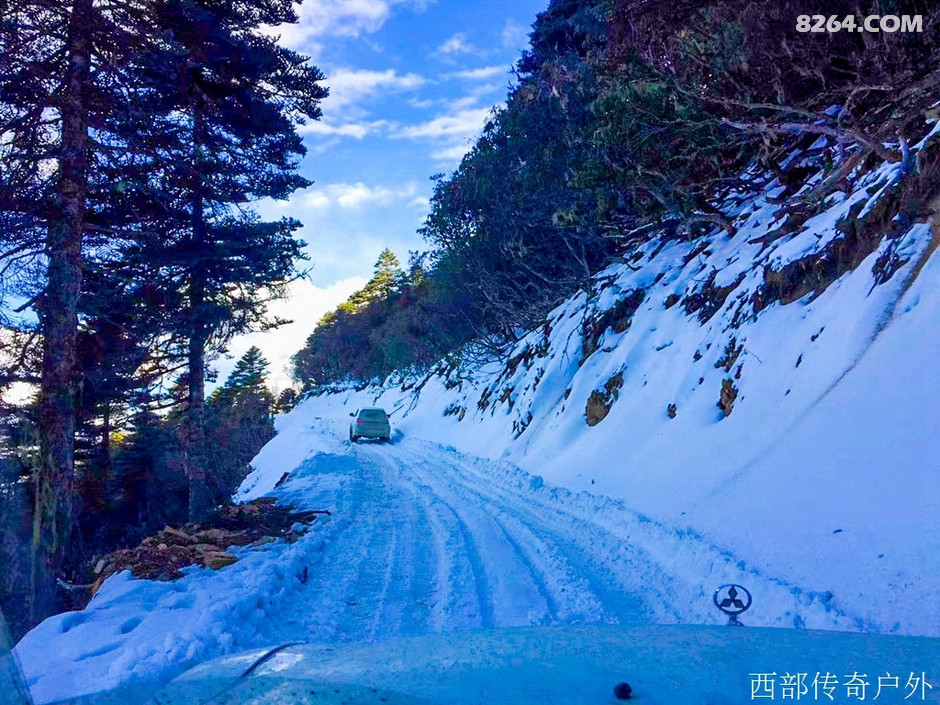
(216, 536)
(176, 533)
(218, 560)
(728, 394)
(207, 548)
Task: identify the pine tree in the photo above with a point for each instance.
(387, 276)
(240, 423)
(226, 105)
(249, 372)
(285, 401)
(247, 377)
(63, 88)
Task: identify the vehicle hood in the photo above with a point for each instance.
(569, 664)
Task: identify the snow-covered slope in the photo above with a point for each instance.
(756, 406)
(818, 337)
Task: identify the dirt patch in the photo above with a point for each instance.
(600, 402)
(163, 555)
(618, 317)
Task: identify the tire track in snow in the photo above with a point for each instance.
(509, 587)
(435, 540)
(677, 599)
(411, 582)
(565, 594)
(585, 579)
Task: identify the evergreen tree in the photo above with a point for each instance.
(63, 88)
(285, 401)
(247, 377)
(215, 130)
(386, 278)
(134, 133)
(249, 372)
(240, 422)
(223, 114)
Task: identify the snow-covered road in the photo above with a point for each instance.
(426, 539)
(421, 539)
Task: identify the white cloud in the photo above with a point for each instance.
(452, 154)
(357, 130)
(316, 200)
(355, 196)
(305, 305)
(343, 18)
(456, 44)
(351, 86)
(480, 74)
(464, 123)
(420, 103)
(515, 36)
(451, 134)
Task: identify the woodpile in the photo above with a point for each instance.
(164, 555)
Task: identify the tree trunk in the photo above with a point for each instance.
(58, 312)
(199, 501)
(102, 477)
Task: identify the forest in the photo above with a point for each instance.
(136, 137)
(625, 116)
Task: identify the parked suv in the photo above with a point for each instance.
(370, 423)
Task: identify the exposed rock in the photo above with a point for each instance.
(218, 560)
(600, 402)
(728, 394)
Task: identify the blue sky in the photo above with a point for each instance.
(411, 84)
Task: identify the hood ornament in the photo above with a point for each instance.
(732, 599)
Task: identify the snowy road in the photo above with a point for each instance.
(424, 539)
(421, 540)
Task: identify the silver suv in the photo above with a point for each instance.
(370, 423)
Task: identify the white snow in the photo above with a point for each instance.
(819, 491)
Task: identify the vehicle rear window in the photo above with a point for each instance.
(372, 414)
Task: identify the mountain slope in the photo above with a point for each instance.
(769, 389)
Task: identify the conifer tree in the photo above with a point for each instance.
(225, 107)
(64, 88)
(247, 377)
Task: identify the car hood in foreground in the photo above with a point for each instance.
(566, 664)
